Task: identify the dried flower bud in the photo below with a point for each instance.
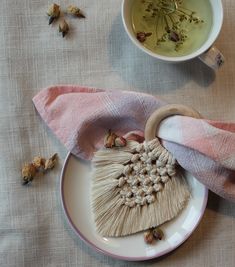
(63, 27)
(158, 234)
(148, 237)
(113, 140)
(174, 36)
(50, 163)
(28, 173)
(109, 139)
(53, 12)
(75, 11)
(141, 36)
(39, 162)
(120, 141)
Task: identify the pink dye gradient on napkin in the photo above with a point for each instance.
(80, 117)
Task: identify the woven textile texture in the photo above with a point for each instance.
(95, 53)
(80, 117)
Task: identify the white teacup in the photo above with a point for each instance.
(208, 53)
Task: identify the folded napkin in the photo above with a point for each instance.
(80, 117)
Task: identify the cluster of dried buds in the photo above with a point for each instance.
(38, 165)
(152, 235)
(113, 140)
(54, 13)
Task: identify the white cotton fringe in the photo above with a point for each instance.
(110, 172)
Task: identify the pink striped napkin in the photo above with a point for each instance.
(80, 117)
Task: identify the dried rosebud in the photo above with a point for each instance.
(113, 140)
(39, 162)
(174, 36)
(158, 234)
(75, 11)
(63, 27)
(120, 141)
(28, 173)
(53, 12)
(141, 36)
(109, 139)
(148, 237)
(50, 163)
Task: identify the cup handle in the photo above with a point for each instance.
(213, 58)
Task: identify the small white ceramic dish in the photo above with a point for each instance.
(75, 197)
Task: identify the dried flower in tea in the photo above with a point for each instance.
(141, 36)
(170, 18)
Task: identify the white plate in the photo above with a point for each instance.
(75, 196)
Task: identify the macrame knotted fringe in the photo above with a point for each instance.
(135, 188)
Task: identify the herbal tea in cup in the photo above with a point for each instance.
(172, 27)
(175, 30)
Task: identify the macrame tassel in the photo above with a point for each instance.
(106, 157)
(108, 172)
(136, 188)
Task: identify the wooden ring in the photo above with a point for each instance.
(166, 111)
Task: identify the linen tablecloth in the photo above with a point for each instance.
(97, 53)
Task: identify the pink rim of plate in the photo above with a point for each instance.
(95, 247)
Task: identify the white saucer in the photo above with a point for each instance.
(75, 197)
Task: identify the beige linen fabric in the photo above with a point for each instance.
(97, 52)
